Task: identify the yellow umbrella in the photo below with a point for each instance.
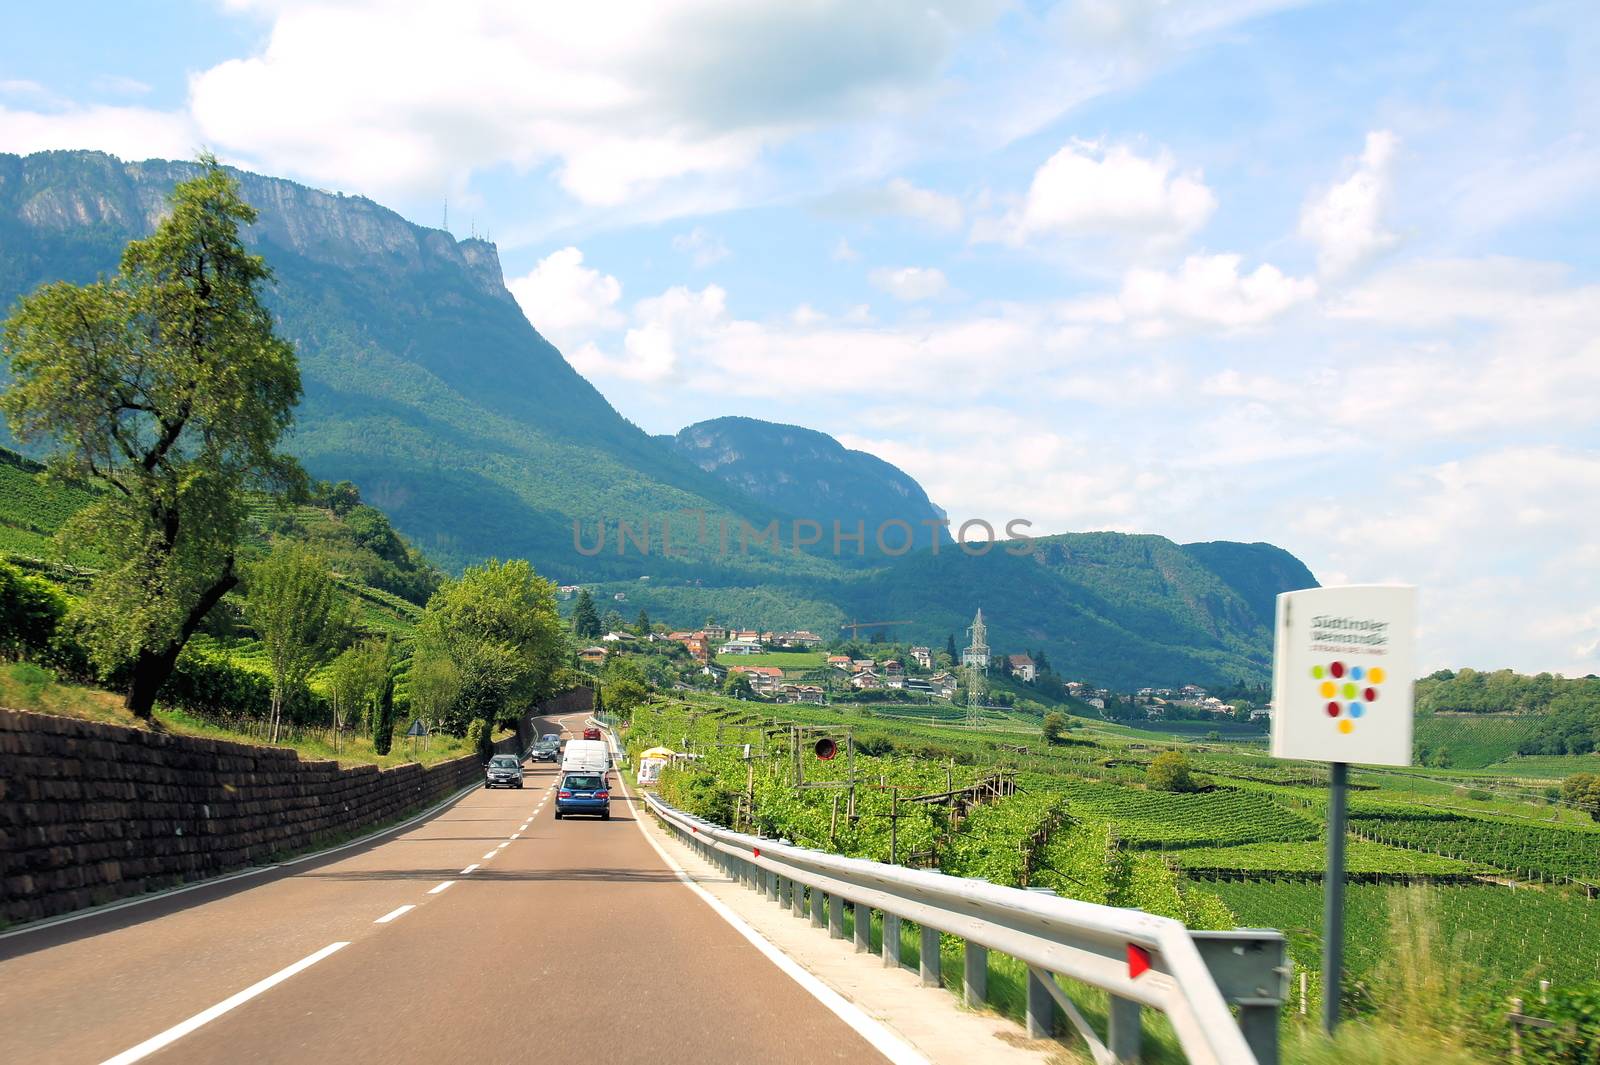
(657, 752)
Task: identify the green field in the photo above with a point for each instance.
(788, 661)
(1471, 741)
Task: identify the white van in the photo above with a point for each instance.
(586, 756)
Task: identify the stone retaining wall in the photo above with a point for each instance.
(91, 812)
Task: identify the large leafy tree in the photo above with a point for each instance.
(295, 609)
(498, 626)
(166, 384)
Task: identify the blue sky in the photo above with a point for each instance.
(1316, 274)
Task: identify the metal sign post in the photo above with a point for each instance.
(1333, 899)
(1342, 670)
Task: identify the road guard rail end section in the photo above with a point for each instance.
(1198, 979)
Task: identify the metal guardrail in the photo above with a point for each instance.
(1139, 959)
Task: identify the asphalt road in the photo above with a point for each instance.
(567, 941)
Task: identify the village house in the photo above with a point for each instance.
(866, 680)
(839, 661)
(1022, 668)
(918, 686)
(800, 693)
(592, 656)
(922, 657)
(618, 637)
(740, 646)
(892, 668)
(862, 663)
(802, 639)
(715, 633)
(764, 680)
(944, 683)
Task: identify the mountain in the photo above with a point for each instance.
(424, 382)
(427, 387)
(811, 475)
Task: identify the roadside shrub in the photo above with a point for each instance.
(478, 738)
(383, 719)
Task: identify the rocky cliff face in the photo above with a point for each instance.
(69, 192)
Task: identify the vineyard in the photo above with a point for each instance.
(1245, 849)
(1529, 851)
(1513, 937)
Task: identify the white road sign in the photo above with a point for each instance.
(1342, 672)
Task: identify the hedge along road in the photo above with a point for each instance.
(490, 932)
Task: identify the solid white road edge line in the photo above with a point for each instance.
(398, 911)
(122, 904)
(178, 1031)
(883, 1040)
(469, 869)
(440, 887)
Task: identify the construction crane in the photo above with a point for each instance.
(855, 627)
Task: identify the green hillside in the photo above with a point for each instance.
(812, 476)
(427, 387)
(385, 580)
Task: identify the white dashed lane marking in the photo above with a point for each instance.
(399, 911)
(469, 869)
(440, 887)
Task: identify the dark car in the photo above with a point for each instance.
(546, 749)
(583, 793)
(503, 771)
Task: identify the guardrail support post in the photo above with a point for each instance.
(975, 974)
(772, 887)
(891, 941)
(863, 928)
(797, 898)
(818, 916)
(929, 957)
(1251, 968)
(1126, 1033)
(835, 917)
(1041, 1006)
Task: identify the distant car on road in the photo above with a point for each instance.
(591, 733)
(503, 771)
(547, 749)
(583, 793)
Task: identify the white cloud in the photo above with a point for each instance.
(910, 283)
(701, 246)
(1210, 290)
(129, 132)
(1345, 221)
(567, 301)
(844, 253)
(1088, 189)
(119, 85)
(903, 198)
(387, 95)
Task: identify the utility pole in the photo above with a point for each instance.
(1333, 898)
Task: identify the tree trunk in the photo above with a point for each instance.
(151, 668)
(150, 671)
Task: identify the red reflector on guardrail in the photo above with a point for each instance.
(755, 852)
(1138, 961)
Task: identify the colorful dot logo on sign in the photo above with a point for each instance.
(1349, 701)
